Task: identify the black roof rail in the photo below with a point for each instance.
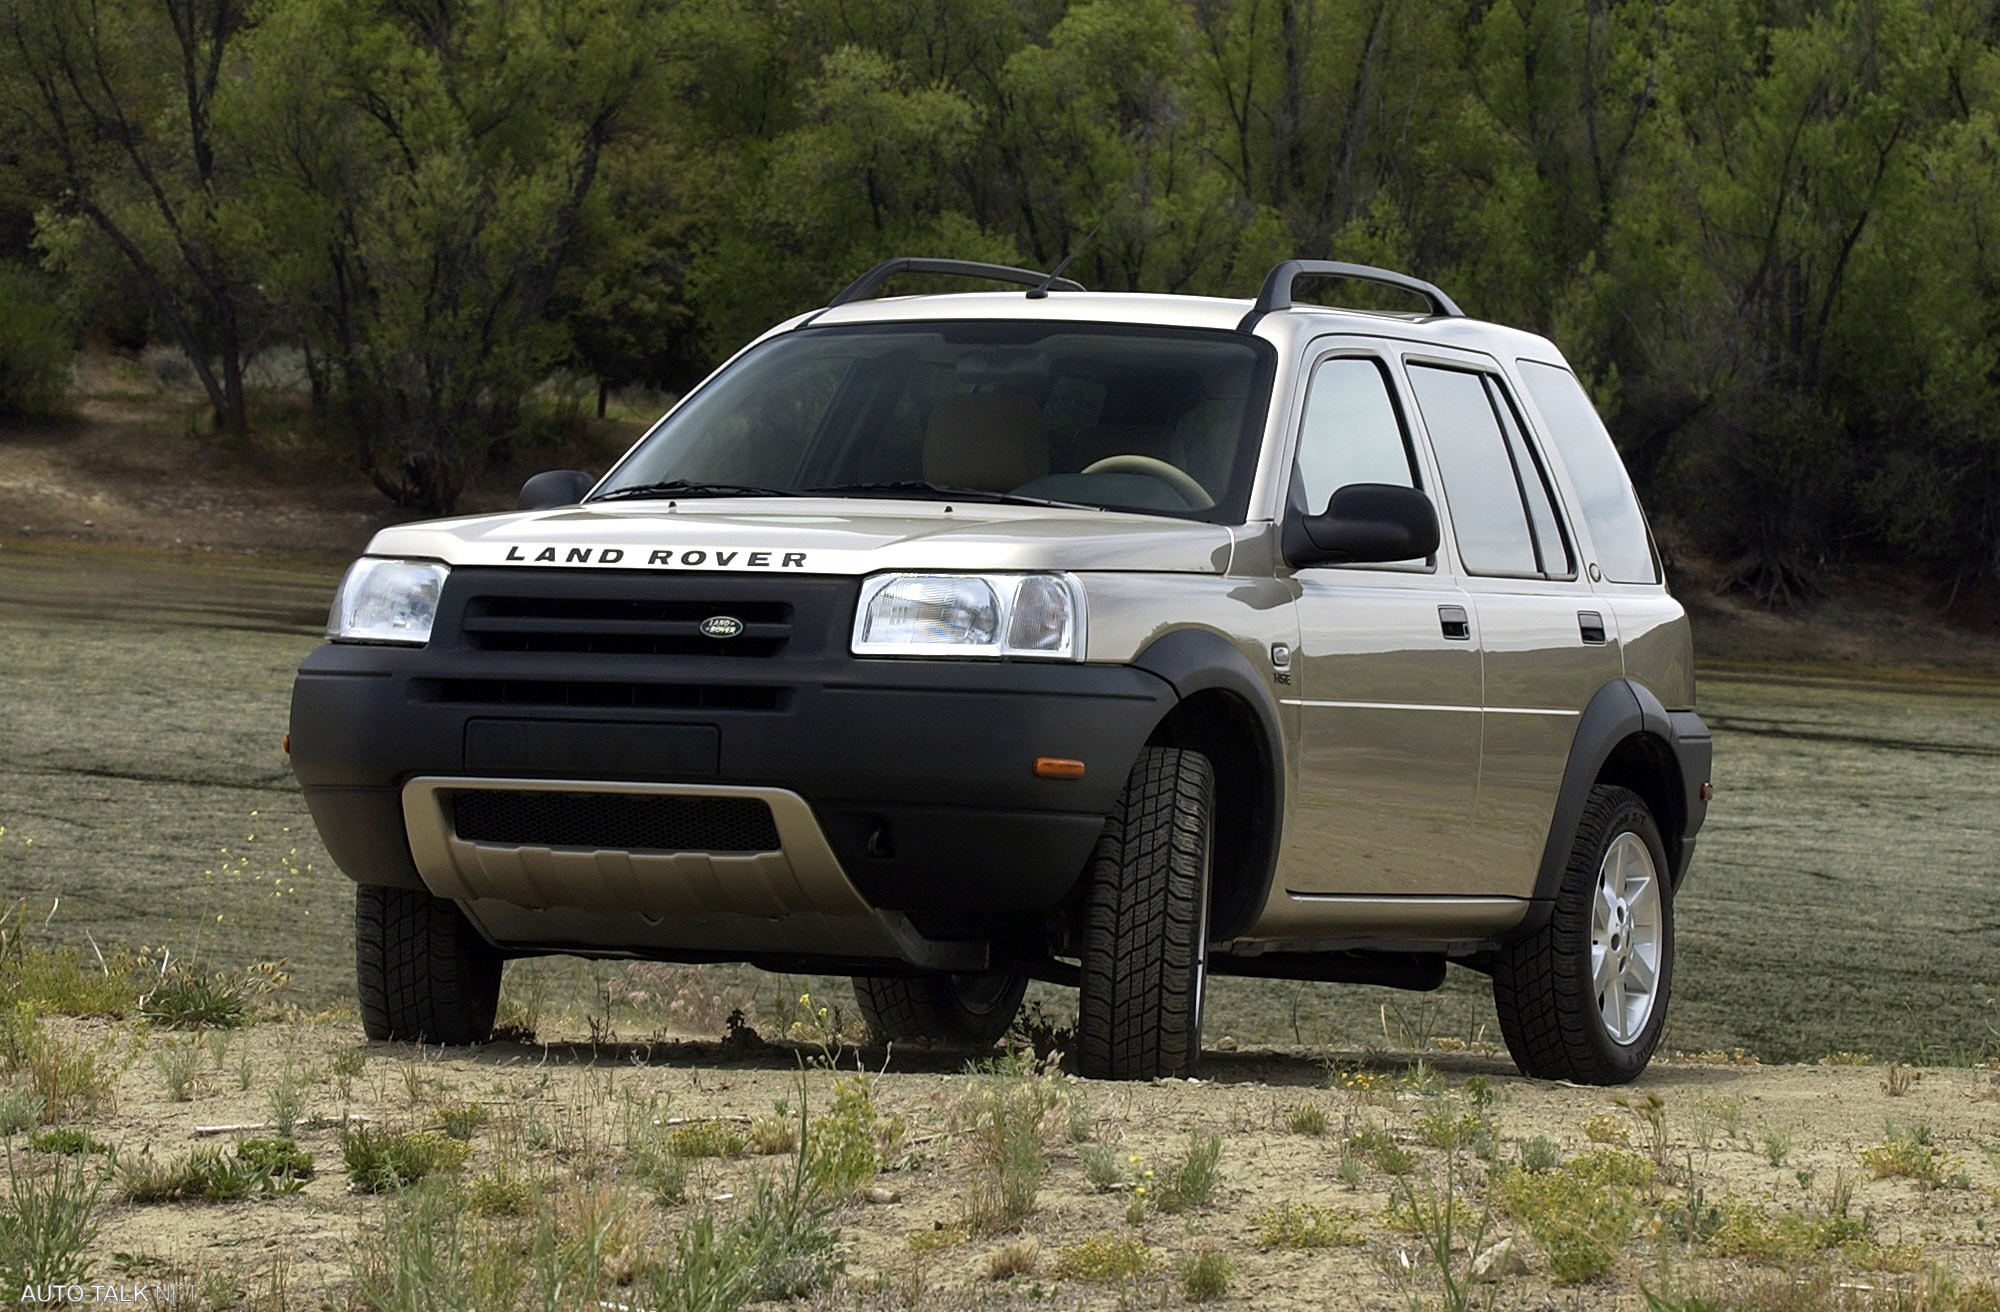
(1277, 291)
(864, 286)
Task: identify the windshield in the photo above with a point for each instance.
(1147, 419)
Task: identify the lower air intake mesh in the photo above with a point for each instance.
(615, 821)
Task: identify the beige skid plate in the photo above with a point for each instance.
(796, 899)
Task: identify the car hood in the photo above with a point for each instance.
(815, 536)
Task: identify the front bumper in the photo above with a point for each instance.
(916, 773)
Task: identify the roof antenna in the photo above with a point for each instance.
(1040, 292)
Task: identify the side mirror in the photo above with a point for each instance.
(557, 487)
(1364, 523)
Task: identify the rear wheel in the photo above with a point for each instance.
(959, 1011)
(422, 971)
(1145, 940)
(1584, 997)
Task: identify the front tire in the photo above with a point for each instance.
(1584, 997)
(956, 1011)
(1145, 939)
(421, 970)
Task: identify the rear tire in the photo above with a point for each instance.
(1145, 940)
(955, 1011)
(1584, 997)
(421, 970)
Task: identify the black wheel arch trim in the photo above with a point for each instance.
(1194, 661)
(1622, 710)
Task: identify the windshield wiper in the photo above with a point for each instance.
(676, 487)
(921, 488)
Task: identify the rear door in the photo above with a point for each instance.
(1548, 644)
(1386, 677)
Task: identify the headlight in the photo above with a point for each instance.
(387, 601)
(1037, 615)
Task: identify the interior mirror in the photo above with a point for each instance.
(1365, 523)
(556, 487)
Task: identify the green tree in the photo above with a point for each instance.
(113, 103)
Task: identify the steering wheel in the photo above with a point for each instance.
(1173, 476)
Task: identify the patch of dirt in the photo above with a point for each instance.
(1780, 1141)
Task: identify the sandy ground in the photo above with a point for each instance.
(565, 1109)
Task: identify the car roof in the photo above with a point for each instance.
(1221, 314)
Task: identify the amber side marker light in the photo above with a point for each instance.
(288, 744)
(1057, 767)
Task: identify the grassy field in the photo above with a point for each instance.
(1840, 900)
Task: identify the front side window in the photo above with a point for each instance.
(1351, 432)
(1154, 420)
(1502, 511)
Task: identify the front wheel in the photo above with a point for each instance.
(958, 1011)
(1584, 997)
(1145, 933)
(422, 971)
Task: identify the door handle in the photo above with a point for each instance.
(1453, 621)
(1591, 625)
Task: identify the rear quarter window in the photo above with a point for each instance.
(1609, 506)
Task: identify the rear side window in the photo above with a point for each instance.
(1501, 510)
(1604, 491)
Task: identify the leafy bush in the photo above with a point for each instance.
(1106, 1257)
(36, 345)
(189, 1000)
(382, 1161)
(1306, 1225)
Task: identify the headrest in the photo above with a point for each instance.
(994, 441)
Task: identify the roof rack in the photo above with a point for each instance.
(1277, 291)
(865, 286)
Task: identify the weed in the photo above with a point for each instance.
(381, 1161)
(68, 1143)
(706, 1139)
(1045, 1035)
(1910, 1151)
(1306, 1225)
(1105, 1258)
(184, 999)
(277, 1159)
(1444, 1222)
(461, 1119)
(1651, 1113)
(1381, 1147)
(771, 1135)
(1015, 1259)
(1307, 1118)
(342, 1070)
(1777, 1144)
(1607, 1129)
(199, 1175)
(50, 1219)
(938, 1238)
(58, 981)
(849, 1143)
(1007, 1118)
(1451, 1124)
(1102, 1166)
(794, 1248)
(1540, 1154)
(72, 1082)
(500, 1192)
(1205, 1276)
(1191, 1179)
(20, 1109)
(1846, 1058)
(1743, 1230)
(1582, 1214)
(286, 1102)
(1898, 1079)
(179, 1062)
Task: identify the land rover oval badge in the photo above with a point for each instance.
(721, 626)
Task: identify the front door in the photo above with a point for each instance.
(1387, 675)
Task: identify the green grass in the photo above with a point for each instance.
(175, 681)
(382, 1161)
(208, 1174)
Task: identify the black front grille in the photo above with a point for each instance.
(601, 693)
(627, 626)
(615, 821)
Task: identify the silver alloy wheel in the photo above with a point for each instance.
(1626, 937)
